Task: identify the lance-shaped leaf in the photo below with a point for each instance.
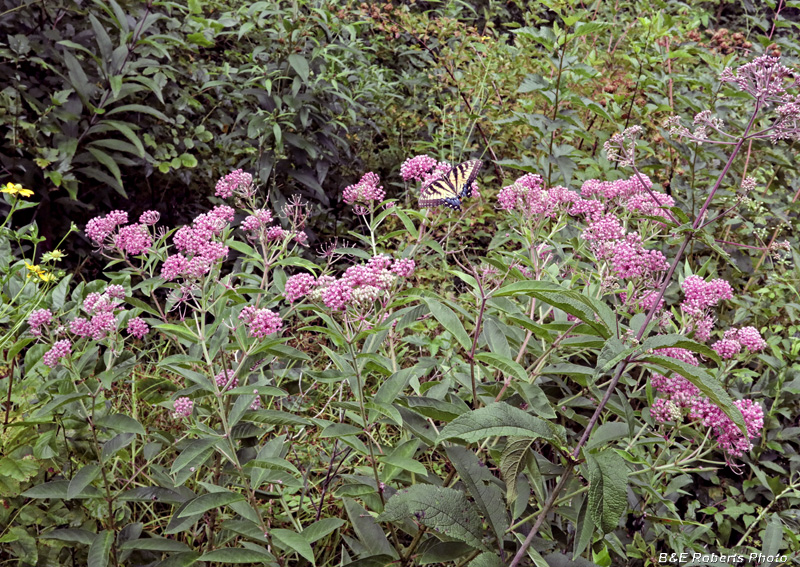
(500, 419)
(441, 509)
(608, 485)
(449, 321)
(585, 308)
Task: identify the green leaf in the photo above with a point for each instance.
(576, 304)
(773, 536)
(73, 535)
(103, 40)
(18, 469)
(275, 417)
(155, 544)
(584, 530)
(210, 501)
(504, 365)
(369, 533)
(192, 450)
(179, 330)
(140, 108)
(116, 443)
(479, 482)
(188, 160)
(107, 161)
(608, 432)
(449, 321)
(60, 293)
(296, 542)
(486, 560)
(442, 509)
(706, 383)
(100, 549)
(409, 465)
(300, 65)
(77, 77)
(81, 480)
(200, 39)
(237, 555)
(321, 528)
(500, 419)
(608, 485)
(512, 463)
(121, 422)
(58, 489)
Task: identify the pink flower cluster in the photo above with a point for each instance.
(528, 196)
(261, 322)
(259, 218)
(133, 239)
(633, 194)
(417, 168)
(39, 318)
(100, 308)
(183, 407)
(137, 327)
(734, 339)
(298, 286)
(100, 228)
(359, 285)
(226, 380)
(61, 349)
(699, 297)
(368, 189)
(149, 217)
(682, 397)
(198, 247)
(235, 182)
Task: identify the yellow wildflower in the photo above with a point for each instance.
(45, 277)
(32, 269)
(16, 189)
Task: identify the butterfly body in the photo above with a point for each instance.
(449, 189)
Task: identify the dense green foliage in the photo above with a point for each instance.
(495, 405)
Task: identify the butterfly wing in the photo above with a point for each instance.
(464, 176)
(450, 189)
(440, 192)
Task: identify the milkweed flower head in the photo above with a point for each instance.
(100, 228)
(61, 349)
(149, 217)
(736, 339)
(261, 322)
(359, 287)
(183, 407)
(226, 380)
(39, 318)
(137, 327)
(237, 182)
(297, 286)
(417, 168)
(367, 190)
(682, 398)
(200, 246)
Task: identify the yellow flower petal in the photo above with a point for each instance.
(25, 192)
